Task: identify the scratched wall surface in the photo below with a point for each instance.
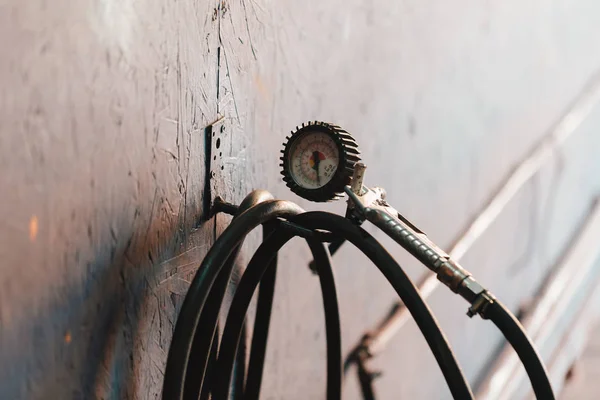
(120, 121)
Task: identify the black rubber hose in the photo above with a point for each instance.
(239, 306)
(239, 368)
(195, 300)
(333, 330)
(514, 332)
(210, 314)
(239, 372)
(241, 301)
(211, 368)
(208, 321)
(264, 305)
(262, 321)
(408, 293)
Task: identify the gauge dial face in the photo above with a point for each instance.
(318, 161)
(313, 160)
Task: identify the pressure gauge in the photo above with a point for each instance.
(318, 161)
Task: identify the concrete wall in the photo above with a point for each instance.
(105, 179)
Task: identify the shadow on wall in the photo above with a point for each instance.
(108, 336)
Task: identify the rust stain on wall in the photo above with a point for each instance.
(33, 228)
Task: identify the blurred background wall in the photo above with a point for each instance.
(107, 170)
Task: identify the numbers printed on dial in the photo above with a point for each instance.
(314, 158)
(329, 170)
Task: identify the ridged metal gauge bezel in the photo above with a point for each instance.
(349, 154)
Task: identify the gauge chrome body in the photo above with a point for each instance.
(318, 161)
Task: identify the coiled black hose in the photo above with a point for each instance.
(263, 314)
(187, 323)
(178, 359)
(259, 263)
(179, 370)
(514, 332)
(260, 334)
(403, 286)
(211, 312)
(241, 301)
(342, 227)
